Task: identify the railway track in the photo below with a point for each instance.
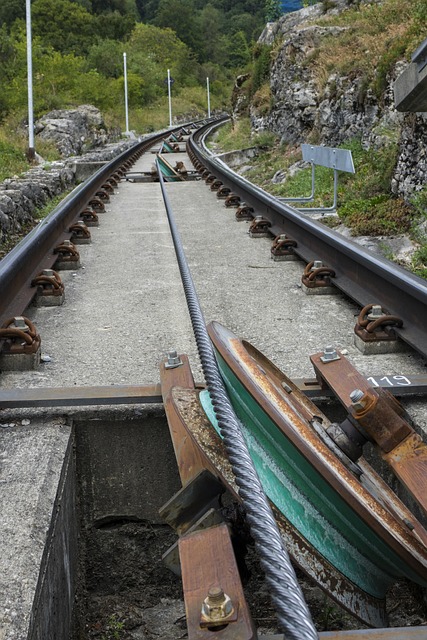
(129, 335)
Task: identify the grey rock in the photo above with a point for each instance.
(21, 196)
(73, 131)
(345, 108)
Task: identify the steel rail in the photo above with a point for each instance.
(361, 275)
(35, 252)
(288, 599)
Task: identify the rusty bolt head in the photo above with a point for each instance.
(217, 606)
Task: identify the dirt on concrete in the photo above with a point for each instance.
(127, 593)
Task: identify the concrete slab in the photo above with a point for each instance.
(37, 529)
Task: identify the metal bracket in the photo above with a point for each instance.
(336, 159)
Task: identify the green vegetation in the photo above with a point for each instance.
(77, 51)
(78, 48)
(365, 202)
(114, 629)
(238, 135)
(12, 160)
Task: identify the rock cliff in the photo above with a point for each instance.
(342, 106)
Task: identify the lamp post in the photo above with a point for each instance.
(169, 98)
(31, 150)
(209, 98)
(125, 75)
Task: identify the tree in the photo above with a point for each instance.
(113, 26)
(63, 25)
(106, 57)
(151, 51)
(147, 9)
(210, 22)
(10, 10)
(180, 15)
(237, 50)
(273, 10)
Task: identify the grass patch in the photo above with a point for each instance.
(365, 202)
(12, 159)
(43, 212)
(235, 135)
(261, 100)
(12, 239)
(377, 216)
(419, 262)
(190, 103)
(419, 259)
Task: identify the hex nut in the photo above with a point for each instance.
(217, 606)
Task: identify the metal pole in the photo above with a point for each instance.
(31, 150)
(209, 98)
(126, 93)
(169, 98)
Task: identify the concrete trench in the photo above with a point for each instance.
(126, 471)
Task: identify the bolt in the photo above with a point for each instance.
(67, 243)
(329, 354)
(20, 324)
(258, 218)
(356, 397)
(283, 236)
(375, 312)
(48, 273)
(216, 595)
(173, 360)
(217, 605)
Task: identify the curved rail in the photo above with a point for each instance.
(363, 276)
(286, 593)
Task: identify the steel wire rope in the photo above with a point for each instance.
(291, 608)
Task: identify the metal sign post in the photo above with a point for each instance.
(31, 150)
(126, 93)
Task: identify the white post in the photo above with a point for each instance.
(169, 98)
(31, 149)
(126, 94)
(209, 98)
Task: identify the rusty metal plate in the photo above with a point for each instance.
(208, 564)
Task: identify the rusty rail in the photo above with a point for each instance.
(363, 276)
